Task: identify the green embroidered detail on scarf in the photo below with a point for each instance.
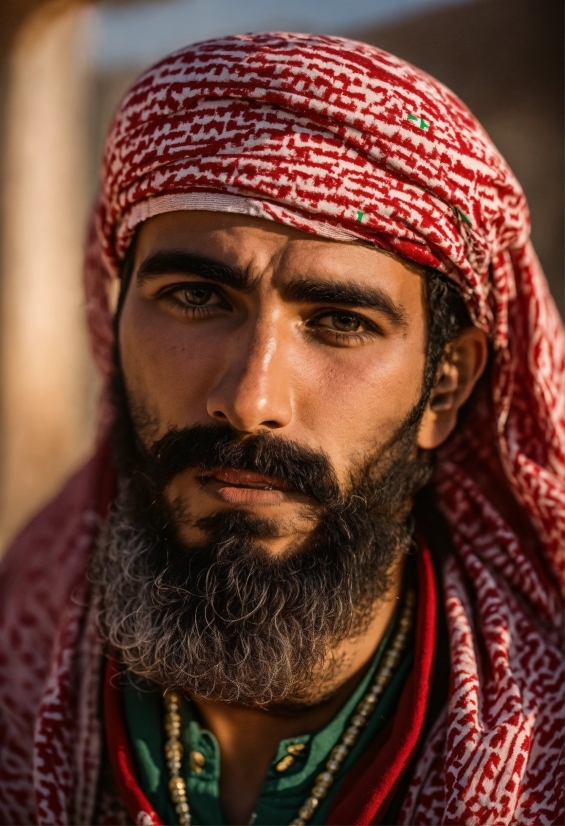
(360, 215)
(420, 122)
(462, 216)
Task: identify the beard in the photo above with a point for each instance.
(223, 618)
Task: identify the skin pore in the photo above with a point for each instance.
(240, 321)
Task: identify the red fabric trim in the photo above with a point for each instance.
(366, 793)
(139, 808)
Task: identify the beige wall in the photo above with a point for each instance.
(46, 378)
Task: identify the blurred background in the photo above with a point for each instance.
(64, 64)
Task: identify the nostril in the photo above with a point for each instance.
(219, 415)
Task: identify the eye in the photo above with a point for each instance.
(345, 322)
(195, 294)
(342, 322)
(343, 328)
(194, 299)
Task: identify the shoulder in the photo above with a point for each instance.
(41, 573)
(44, 560)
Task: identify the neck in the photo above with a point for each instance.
(249, 737)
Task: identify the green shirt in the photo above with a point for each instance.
(283, 792)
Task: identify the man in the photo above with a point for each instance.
(265, 604)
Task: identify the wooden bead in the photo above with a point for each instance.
(307, 809)
(324, 779)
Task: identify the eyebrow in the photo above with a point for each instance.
(345, 293)
(305, 290)
(188, 263)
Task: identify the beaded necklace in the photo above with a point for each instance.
(323, 781)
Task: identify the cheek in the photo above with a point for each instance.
(167, 366)
(357, 400)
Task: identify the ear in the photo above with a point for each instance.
(462, 365)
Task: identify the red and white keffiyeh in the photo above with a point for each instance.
(344, 140)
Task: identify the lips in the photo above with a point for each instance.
(245, 479)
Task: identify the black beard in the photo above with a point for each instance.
(222, 618)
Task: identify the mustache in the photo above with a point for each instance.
(207, 447)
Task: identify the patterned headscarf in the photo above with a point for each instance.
(346, 141)
(343, 140)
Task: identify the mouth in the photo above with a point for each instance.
(244, 487)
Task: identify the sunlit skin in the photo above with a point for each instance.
(322, 342)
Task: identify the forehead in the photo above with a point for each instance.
(275, 253)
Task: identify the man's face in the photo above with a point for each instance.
(265, 329)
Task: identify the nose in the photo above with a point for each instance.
(254, 390)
